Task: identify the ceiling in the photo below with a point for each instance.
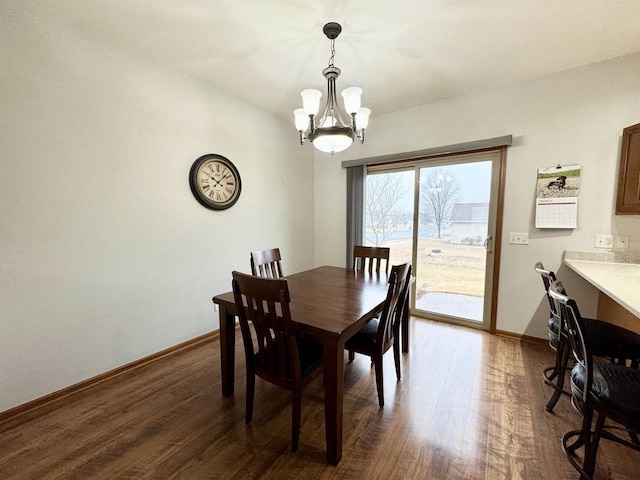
(402, 53)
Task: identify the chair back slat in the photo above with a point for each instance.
(370, 258)
(267, 263)
(265, 322)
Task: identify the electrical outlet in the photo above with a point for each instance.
(216, 307)
(519, 238)
(621, 241)
(604, 241)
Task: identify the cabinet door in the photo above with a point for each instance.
(628, 201)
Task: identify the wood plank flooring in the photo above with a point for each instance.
(469, 406)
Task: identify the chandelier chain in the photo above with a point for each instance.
(333, 52)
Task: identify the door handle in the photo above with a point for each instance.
(488, 243)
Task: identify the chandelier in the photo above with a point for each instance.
(330, 133)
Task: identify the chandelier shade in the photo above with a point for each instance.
(329, 132)
(311, 101)
(362, 119)
(351, 97)
(302, 119)
(332, 139)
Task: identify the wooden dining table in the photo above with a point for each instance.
(329, 305)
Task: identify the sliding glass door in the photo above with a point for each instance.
(441, 214)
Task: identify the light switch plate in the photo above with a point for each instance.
(519, 238)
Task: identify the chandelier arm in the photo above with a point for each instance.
(331, 108)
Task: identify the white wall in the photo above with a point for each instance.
(106, 257)
(574, 117)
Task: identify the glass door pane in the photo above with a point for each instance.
(453, 218)
(389, 212)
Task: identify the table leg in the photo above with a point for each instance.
(333, 396)
(227, 350)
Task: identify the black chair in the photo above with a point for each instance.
(266, 263)
(382, 333)
(608, 389)
(275, 354)
(607, 340)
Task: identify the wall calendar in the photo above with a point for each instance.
(557, 196)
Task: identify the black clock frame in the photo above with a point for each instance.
(193, 181)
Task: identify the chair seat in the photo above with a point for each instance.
(615, 386)
(365, 339)
(310, 355)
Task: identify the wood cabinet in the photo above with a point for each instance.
(628, 200)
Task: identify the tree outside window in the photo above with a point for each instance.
(439, 191)
(385, 210)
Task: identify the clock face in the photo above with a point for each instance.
(215, 181)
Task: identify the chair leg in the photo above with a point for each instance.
(586, 437)
(251, 384)
(377, 363)
(296, 411)
(352, 355)
(396, 357)
(562, 358)
(583, 439)
(590, 456)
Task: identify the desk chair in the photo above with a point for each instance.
(380, 334)
(608, 389)
(272, 350)
(266, 263)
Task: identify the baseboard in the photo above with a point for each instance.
(522, 338)
(38, 405)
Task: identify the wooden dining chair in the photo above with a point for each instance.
(608, 389)
(266, 263)
(273, 351)
(370, 257)
(382, 333)
(617, 344)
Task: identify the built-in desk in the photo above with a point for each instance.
(617, 277)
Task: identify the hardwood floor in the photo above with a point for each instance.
(469, 406)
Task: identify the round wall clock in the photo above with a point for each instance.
(215, 181)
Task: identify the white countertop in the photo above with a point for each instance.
(619, 281)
